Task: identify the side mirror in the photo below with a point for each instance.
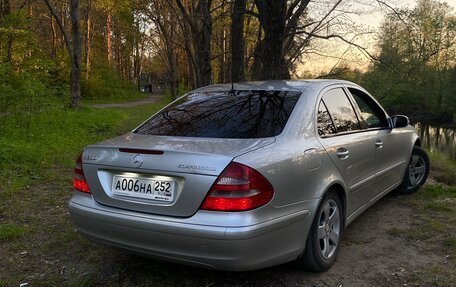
(400, 121)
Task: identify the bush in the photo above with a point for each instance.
(105, 85)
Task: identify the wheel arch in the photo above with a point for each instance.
(309, 259)
(341, 192)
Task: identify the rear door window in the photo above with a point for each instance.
(238, 114)
(324, 122)
(342, 113)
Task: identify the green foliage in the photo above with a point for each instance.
(416, 69)
(343, 72)
(24, 92)
(105, 85)
(181, 90)
(9, 231)
(443, 169)
(451, 243)
(54, 136)
(15, 37)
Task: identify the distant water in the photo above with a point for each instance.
(437, 138)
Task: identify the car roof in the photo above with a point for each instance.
(274, 85)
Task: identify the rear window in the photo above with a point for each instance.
(238, 114)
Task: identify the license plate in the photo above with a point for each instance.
(147, 188)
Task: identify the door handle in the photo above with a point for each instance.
(342, 153)
(378, 143)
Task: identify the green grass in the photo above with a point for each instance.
(434, 226)
(436, 275)
(106, 86)
(442, 168)
(10, 231)
(450, 243)
(434, 220)
(36, 165)
(54, 137)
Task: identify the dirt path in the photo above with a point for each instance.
(372, 255)
(153, 98)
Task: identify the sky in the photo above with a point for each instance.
(330, 51)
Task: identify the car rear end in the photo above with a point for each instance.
(176, 188)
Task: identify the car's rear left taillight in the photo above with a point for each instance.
(238, 188)
(79, 181)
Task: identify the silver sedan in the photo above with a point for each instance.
(246, 176)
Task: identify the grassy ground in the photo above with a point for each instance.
(54, 137)
(443, 169)
(434, 224)
(36, 162)
(39, 245)
(106, 86)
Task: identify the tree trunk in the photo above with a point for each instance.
(88, 39)
(74, 48)
(270, 59)
(191, 67)
(54, 39)
(75, 15)
(108, 38)
(191, 73)
(6, 10)
(222, 59)
(202, 41)
(200, 22)
(175, 81)
(237, 41)
(172, 62)
(9, 48)
(63, 10)
(172, 72)
(29, 27)
(137, 56)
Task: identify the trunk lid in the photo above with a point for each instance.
(186, 166)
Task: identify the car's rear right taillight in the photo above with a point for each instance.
(238, 188)
(79, 181)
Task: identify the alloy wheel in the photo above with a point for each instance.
(417, 170)
(329, 229)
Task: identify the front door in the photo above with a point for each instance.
(389, 146)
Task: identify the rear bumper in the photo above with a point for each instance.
(183, 240)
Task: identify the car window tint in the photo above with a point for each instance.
(371, 113)
(325, 124)
(242, 114)
(341, 110)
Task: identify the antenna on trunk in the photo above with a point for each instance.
(232, 85)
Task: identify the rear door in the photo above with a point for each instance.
(351, 149)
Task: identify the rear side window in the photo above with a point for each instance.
(239, 114)
(341, 110)
(324, 122)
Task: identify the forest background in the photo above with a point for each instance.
(62, 52)
(58, 58)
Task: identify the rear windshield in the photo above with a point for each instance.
(238, 114)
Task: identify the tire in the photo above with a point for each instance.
(325, 235)
(416, 173)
